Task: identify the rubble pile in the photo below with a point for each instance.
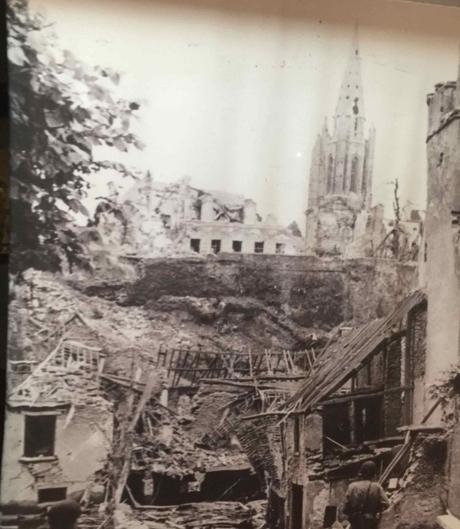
(421, 493)
(167, 447)
(215, 515)
(321, 467)
(59, 385)
(42, 302)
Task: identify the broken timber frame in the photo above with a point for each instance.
(408, 442)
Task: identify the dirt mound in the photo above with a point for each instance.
(42, 303)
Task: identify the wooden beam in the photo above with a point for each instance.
(145, 397)
(408, 441)
(364, 395)
(335, 443)
(270, 414)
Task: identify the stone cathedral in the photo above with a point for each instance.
(340, 185)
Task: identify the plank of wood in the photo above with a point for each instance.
(127, 441)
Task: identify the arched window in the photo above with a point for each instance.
(330, 174)
(354, 174)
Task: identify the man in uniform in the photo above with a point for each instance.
(365, 499)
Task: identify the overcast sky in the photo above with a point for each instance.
(236, 91)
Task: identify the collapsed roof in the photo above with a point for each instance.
(345, 355)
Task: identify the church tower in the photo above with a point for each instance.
(340, 185)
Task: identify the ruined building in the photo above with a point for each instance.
(360, 405)
(158, 219)
(389, 390)
(441, 268)
(57, 418)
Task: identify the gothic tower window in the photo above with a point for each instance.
(354, 175)
(355, 106)
(330, 174)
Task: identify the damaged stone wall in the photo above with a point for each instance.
(417, 323)
(312, 292)
(392, 405)
(441, 272)
(82, 444)
(423, 493)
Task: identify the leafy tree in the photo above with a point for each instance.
(61, 112)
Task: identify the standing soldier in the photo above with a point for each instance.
(365, 499)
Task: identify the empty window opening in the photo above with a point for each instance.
(330, 174)
(354, 175)
(166, 220)
(259, 247)
(52, 494)
(368, 419)
(237, 246)
(195, 245)
(197, 210)
(280, 248)
(355, 106)
(215, 245)
(40, 433)
(336, 426)
(21, 367)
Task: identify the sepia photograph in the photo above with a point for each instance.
(234, 265)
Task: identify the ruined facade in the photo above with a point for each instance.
(442, 238)
(441, 266)
(357, 407)
(154, 219)
(58, 424)
(340, 184)
(380, 398)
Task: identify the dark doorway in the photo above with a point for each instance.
(275, 510)
(297, 506)
(330, 516)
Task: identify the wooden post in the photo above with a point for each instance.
(351, 416)
(127, 441)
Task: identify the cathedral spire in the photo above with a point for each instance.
(349, 115)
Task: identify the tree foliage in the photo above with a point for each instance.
(61, 112)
